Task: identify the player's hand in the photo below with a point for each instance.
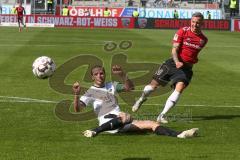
(117, 70)
(76, 88)
(179, 64)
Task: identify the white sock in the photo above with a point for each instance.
(171, 101)
(148, 89)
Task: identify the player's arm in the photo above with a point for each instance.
(78, 105)
(177, 43)
(127, 83)
(175, 50)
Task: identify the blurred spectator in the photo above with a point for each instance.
(65, 11)
(175, 14)
(220, 3)
(209, 16)
(87, 12)
(13, 10)
(106, 12)
(233, 5)
(226, 2)
(50, 6)
(130, 3)
(143, 3)
(0, 9)
(69, 2)
(164, 2)
(170, 3)
(135, 13)
(157, 3)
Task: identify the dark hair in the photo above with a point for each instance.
(198, 14)
(97, 66)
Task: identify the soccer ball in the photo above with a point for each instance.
(43, 67)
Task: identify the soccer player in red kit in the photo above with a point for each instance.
(187, 43)
(20, 11)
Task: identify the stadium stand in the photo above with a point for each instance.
(39, 6)
(13, 2)
(110, 3)
(199, 4)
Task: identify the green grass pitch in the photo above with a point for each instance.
(30, 129)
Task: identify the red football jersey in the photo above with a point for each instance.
(190, 44)
(20, 11)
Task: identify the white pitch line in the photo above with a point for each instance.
(190, 105)
(73, 40)
(12, 99)
(20, 45)
(23, 99)
(221, 46)
(44, 45)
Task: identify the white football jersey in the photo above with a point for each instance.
(103, 100)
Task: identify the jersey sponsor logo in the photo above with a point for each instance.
(192, 45)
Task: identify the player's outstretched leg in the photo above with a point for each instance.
(171, 101)
(161, 130)
(113, 124)
(148, 89)
(89, 133)
(110, 125)
(162, 119)
(188, 133)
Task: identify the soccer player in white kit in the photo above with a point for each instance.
(102, 96)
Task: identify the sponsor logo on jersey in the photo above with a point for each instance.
(192, 45)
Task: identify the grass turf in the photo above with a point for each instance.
(31, 130)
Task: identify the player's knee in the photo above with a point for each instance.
(151, 124)
(180, 86)
(154, 84)
(125, 118)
